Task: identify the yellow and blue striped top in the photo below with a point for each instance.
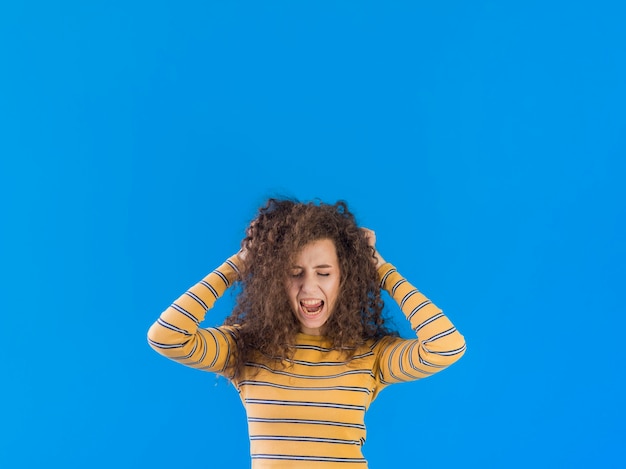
(309, 413)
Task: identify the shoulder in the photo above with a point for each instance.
(226, 330)
(383, 342)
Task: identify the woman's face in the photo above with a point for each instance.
(313, 285)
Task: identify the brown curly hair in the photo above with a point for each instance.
(262, 312)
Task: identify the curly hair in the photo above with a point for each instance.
(262, 313)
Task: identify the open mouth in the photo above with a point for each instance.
(311, 307)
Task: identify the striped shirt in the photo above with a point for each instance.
(310, 412)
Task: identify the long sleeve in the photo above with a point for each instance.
(177, 335)
(438, 342)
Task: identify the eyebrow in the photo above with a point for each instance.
(321, 266)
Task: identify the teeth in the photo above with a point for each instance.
(310, 302)
(312, 306)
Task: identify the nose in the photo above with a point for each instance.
(308, 283)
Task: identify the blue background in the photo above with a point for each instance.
(483, 141)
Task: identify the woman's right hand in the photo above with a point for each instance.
(241, 254)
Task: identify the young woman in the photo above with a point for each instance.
(306, 345)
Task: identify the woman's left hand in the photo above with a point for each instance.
(370, 236)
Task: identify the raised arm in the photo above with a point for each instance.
(177, 335)
(438, 345)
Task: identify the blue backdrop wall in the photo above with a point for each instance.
(483, 141)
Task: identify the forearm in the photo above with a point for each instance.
(439, 343)
(176, 333)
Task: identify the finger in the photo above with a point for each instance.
(370, 236)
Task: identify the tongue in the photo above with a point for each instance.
(313, 308)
